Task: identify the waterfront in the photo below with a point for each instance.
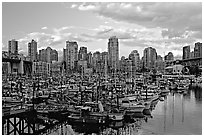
(178, 114)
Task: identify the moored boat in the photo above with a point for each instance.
(131, 106)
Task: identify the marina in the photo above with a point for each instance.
(101, 68)
(114, 108)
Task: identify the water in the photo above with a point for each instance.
(178, 114)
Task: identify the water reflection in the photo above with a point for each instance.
(198, 94)
(179, 113)
(182, 114)
(165, 105)
(182, 108)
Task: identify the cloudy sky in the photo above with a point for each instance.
(164, 26)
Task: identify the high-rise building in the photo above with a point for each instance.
(186, 52)
(48, 55)
(104, 62)
(82, 66)
(41, 68)
(43, 55)
(198, 50)
(82, 53)
(89, 60)
(169, 57)
(32, 50)
(104, 57)
(70, 55)
(149, 58)
(122, 64)
(113, 53)
(12, 47)
(54, 55)
(56, 68)
(135, 57)
(128, 68)
(97, 61)
(191, 54)
(160, 64)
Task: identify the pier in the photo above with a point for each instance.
(26, 121)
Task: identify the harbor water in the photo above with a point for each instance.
(176, 114)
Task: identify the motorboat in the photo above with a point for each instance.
(116, 120)
(86, 117)
(132, 106)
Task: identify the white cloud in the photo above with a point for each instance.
(175, 16)
(59, 30)
(55, 39)
(44, 28)
(74, 5)
(166, 26)
(4, 47)
(85, 7)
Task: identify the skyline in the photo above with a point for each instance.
(168, 27)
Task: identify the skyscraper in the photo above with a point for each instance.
(32, 50)
(43, 55)
(48, 55)
(89, 60)
(160, 64)
(82, 53)
(96, 61)
(104, 61)
(169, 57)
(70, 55)
(150, 56)
(104, 57)
(54, 55)
(135, 57)
(128, 68)
(122, 64)
(186, 52)
(198, 50)
(113, 53)
(12, 47)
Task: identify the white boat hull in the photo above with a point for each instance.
(136, 109)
